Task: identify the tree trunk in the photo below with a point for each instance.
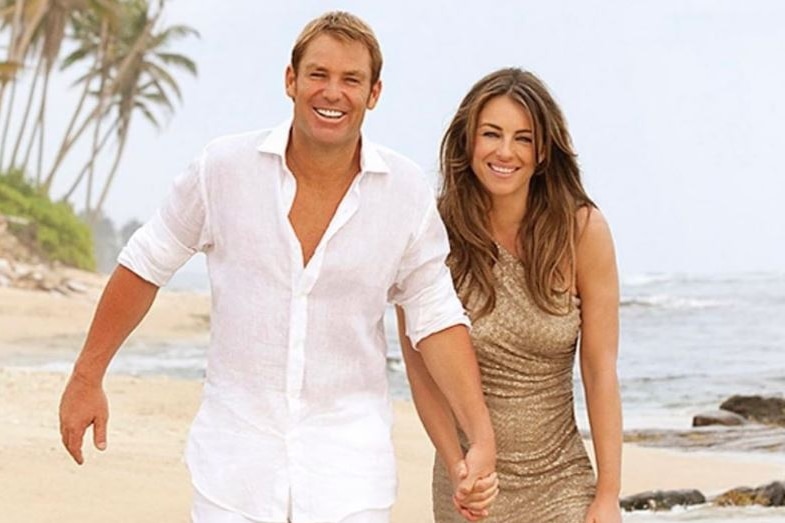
(102, 49)
(16, 26)
(26, 115)
(74, 118)
(120, 148)
(83, 172)
(41, 127)
(7, 125)
(122, 70)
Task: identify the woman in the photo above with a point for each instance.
(533, 261)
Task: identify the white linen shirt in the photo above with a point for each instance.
(295, 415)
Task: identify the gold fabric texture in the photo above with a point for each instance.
(526, 359)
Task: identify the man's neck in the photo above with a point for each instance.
(314, 163)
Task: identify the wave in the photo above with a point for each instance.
(665, 301)
(649, 279)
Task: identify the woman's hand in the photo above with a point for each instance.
(604, 509)
(472, 501)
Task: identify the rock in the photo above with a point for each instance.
(75, 286)
(718, 417)
(662, 499)
(739, 496)
(770, 411)
(771, 495)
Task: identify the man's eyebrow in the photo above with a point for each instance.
(311, 66)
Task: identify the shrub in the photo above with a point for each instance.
(56, 232)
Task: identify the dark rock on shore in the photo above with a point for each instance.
(718, 417)
(769, 411)
(771, 495)
(662, 499)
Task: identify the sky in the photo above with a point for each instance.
(676, 108)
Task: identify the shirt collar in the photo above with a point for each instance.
(278, 138)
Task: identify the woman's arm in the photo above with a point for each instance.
(431, 405)
(598, 287)
(437, 418)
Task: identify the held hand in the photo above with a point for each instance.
(479, 485)
(82, 404)
(603, 510)
(475, 505)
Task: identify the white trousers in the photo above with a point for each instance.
(205, 511)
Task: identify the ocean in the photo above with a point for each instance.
(686, 344)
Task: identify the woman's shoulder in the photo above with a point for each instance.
(591, 225)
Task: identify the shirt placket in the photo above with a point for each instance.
(303, 281)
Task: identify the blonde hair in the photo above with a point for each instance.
(547, 234)
(345, 26)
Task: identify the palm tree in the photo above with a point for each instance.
(43, 29)
(146, 84)
(23, 19)
(121, 65)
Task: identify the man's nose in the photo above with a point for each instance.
(332, 91)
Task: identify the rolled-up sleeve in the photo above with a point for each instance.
(178, 229)
(423, 286)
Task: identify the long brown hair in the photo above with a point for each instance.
(547, 233)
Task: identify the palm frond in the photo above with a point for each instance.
(160, 74)
(178, 60)
(75, 56)
(147, 113)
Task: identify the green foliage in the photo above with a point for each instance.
(55, 230)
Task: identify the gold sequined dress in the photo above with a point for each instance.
(526, 358)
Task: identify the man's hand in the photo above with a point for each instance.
(83, 404)
(478, 484)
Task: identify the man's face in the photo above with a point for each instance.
(331, 91)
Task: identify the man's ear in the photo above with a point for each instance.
(373, 97)
(290, 78)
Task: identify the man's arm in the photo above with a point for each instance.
(124, 302)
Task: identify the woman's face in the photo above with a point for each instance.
(504, 156)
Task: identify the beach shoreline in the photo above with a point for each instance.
(141, 477)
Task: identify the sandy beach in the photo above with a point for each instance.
(141, 476)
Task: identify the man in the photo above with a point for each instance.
(309, 231)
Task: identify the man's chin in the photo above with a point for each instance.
(329, 138)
